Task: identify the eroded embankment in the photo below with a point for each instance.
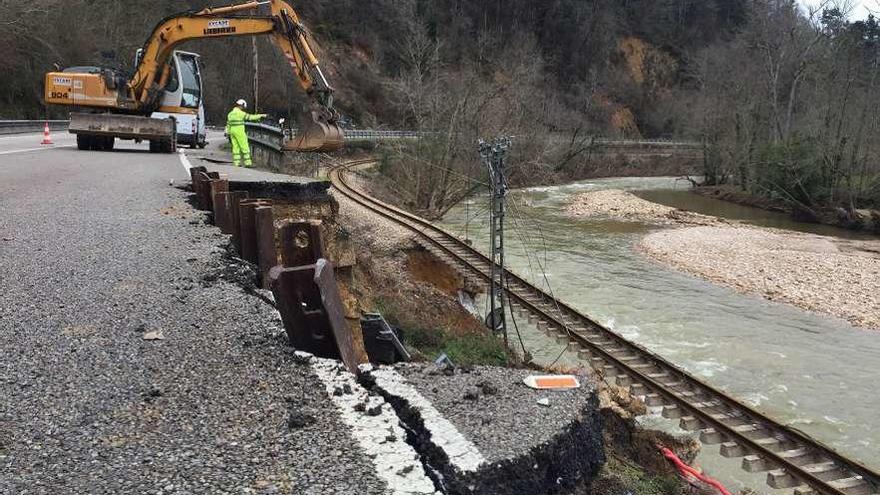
(838, 277)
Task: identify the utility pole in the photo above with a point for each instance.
(493, 158)
(256, 75)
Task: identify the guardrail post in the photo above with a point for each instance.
(232, 206)
(248, 228)
(301, 244)
(310, 305)
(205, 200)
(217, 186)
(197, 175)
(267, 254)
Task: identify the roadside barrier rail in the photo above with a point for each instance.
(272, 137)
(26, 126)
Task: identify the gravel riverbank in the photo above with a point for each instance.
(838, 277)
(822, 274)
(624, 206)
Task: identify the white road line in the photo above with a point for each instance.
(380, 437)
(26, 150)
(462, 454)
(184, 160)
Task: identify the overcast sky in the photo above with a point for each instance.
(860, 7)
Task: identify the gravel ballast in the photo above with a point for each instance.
(97, 252)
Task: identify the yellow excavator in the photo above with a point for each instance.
(108, 105)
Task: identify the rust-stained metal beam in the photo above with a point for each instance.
(235, 198)
(226, 209)
(267, 254)
(221, 210)
(314, 317)
(248, 228)
(195, 177)
(217, 186)
(301, 244)
(205, 201)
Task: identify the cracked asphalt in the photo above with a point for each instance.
(96, 249)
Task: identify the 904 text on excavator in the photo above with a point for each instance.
(107, 104)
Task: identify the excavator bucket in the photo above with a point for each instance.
(316, 134)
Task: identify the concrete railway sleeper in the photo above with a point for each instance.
(790, 458)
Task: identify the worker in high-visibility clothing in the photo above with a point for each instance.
(241, 150)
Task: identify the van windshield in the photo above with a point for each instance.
(192, 84)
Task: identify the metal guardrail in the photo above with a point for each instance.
(377, 135)
(265, 135)
(272, 137)
(25, 126)
(645, 143)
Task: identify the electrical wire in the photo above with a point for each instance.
(515, 214)
(524, 242)
(513, 319)
(454, 172)
(469, 218)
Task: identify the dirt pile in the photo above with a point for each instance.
(822, 274)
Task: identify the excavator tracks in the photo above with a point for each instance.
(792, 460)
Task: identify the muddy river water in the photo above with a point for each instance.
(814, 373)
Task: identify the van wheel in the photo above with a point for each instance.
(83, 142)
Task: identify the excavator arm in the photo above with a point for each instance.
(319, 130)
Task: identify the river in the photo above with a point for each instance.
(814, 373)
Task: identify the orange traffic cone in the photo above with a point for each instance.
(47, 139)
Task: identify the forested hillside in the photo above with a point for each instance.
(784, 100)
(603, 59)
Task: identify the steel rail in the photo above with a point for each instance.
(686, 392)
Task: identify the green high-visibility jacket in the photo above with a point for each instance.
(237, 117)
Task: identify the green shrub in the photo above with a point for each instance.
(791, 171)
(462, 349)
(618, 476)
(467, 349)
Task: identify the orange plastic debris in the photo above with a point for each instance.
(552, 382)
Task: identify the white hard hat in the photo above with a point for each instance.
(241, 103)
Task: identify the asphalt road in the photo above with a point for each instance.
(96, 250)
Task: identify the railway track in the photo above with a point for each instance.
(791, 459)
